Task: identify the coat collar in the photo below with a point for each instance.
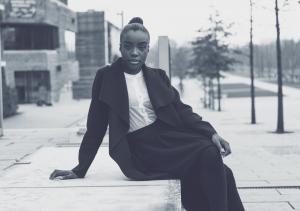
(114, 90)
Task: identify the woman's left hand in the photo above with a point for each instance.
(222, 145)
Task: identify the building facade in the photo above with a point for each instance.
(97, 44)
(39, 47)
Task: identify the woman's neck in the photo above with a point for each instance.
(132, 72)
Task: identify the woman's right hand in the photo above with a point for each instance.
(62, 175)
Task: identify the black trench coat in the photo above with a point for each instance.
(109, 106)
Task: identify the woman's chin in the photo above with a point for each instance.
(134, 67)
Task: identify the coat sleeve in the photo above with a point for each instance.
(190, 119)
(97, 122)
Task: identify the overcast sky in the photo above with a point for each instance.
(180, 19)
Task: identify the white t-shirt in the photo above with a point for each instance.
(141, 112)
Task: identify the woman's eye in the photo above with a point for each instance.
(142, 48)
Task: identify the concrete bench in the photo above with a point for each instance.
(27, 187)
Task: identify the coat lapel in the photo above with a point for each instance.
(114, 90)
(160, 93)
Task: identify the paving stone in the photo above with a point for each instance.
(266, 195)
(104, 187)
(265, 206)
(5, 163)
(289, 191)
(150, 198)
(295, 204)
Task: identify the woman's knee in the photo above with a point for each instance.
(211, 153)
(228, 171)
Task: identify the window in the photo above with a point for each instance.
(30, 37)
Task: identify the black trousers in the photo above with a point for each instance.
(207, 184)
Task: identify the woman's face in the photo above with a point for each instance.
(134, 48)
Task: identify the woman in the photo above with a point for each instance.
(152, 134)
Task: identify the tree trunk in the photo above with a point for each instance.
(253, 115)
(205, 92)
(212, 95)
(280, 120)
(181, 85)
(219, 92)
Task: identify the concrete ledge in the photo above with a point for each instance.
(27, 187)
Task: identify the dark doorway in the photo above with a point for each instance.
(27, 83)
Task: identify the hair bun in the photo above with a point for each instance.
(136, 20)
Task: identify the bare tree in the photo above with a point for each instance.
(280, 118)
(253, 116)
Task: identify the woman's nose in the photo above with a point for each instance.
(134, 52)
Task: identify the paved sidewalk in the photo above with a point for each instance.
(264, 163)
(35, 127)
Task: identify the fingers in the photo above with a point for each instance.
(226, 146)
(62, 175)
(217, 141)
(59, 174)
(69, 176)
(54, 174)
(218, 144)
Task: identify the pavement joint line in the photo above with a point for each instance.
(271, 187)
(39, 147)
(7, 159)
(62, 145)
(278, 192)
(96, 186)
(11, 143)
(289, 203)
(83, 186)
(17, 161)
(7, 167)
(50, 139)
(22, 163)
(263, 202)
(75, 122)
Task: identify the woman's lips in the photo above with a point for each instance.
(134, 62)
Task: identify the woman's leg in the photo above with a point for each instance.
(234, 200)
(191, 196)
(209, 185)
(208, 175)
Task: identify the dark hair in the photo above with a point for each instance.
(135, 24)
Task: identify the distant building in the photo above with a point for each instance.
(97, 44)
(39, 46)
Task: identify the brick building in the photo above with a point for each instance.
(97, 44)
(39, 46)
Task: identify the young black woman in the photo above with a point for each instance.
(152, 134)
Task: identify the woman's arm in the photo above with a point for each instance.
(190, 119)
(97, 123)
